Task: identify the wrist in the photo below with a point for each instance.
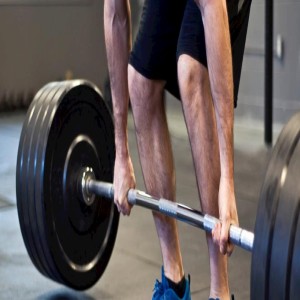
(121, 141)
(122, 150)
(228, 181)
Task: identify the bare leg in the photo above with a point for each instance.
(157, 161)
(201, 124)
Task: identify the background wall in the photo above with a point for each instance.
(286, 70)
(46, 40)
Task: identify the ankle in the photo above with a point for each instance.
(174, 274)
(219, 285)
(177, 287)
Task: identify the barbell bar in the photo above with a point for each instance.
(64, 169)
(90, 187)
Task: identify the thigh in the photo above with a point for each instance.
(192, 39)
(154, 51)
(146, 97)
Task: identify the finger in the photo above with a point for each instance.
(116, 202)
(216, 233)
(125, 208)
(119, 203)
(230, 245)
(230, 248)
(224, 237)
(124, 205)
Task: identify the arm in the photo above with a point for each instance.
(117, 29)
(219, 58)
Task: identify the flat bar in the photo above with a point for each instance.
(238, 236)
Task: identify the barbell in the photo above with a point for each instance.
(63, 182)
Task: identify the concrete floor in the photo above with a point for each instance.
(136, 260)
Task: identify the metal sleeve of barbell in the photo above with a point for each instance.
(238, 236)
(100, 188)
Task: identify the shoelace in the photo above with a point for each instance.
(158, 289)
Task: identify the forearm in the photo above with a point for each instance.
(215, 19)
(117, 29)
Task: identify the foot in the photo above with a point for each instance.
(162, 291)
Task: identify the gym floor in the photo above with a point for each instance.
(136, 260)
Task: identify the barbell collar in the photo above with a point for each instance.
(238, 236)
(86, 175)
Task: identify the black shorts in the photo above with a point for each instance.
(170, 28)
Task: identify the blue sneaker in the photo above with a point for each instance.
(162, 291)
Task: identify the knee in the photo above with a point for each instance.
(145, 97)
(139, 86)
(137, 94)
(191, 74)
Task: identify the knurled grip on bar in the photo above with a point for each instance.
(168, 208)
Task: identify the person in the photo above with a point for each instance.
(193, 49)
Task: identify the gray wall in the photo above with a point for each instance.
(43, 40)
(49, 40)
(286, 70)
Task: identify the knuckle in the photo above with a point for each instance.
(223, 240)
